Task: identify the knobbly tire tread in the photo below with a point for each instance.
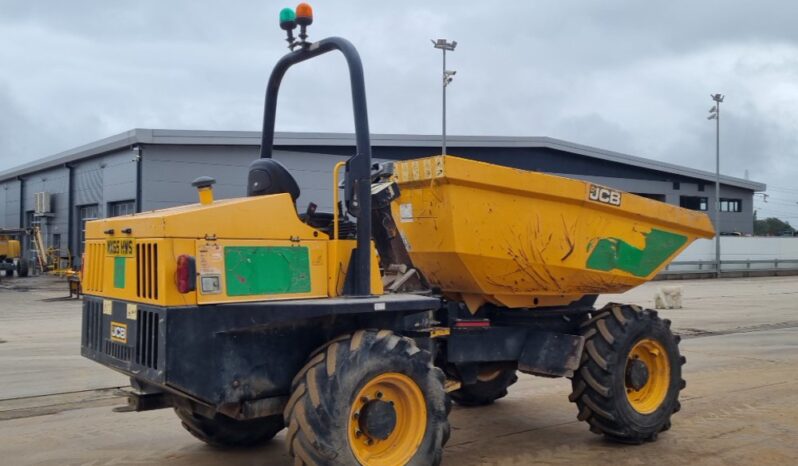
(317, 414)
(485, 393)
(22, 268)
(598, 386)
(225, 432)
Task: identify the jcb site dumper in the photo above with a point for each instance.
(436, 279)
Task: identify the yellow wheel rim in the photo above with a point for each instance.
(649, 397)
(411, 421)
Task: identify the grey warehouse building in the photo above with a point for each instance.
(146, 169)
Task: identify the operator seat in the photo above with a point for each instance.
(268, 176)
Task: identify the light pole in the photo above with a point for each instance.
(714, 114)
(448, 75)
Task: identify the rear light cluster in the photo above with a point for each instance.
(186, 273)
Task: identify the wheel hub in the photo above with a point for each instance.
(387, 420)
(647, 375)
(377, 419)
(636, 374)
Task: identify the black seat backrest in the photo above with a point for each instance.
(268, 176)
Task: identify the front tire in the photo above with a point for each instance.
(223, 431)
(628, 384)
(371, 398)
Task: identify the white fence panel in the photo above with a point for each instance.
(735, 248)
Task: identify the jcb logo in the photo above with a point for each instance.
(604, 195)
(119, 332)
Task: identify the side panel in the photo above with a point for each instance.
(127, 337)
(226, 354)
(257, 270)
(249, 270)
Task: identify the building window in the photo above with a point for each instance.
(115, 209)
(693, 203)
(85, 213)
(676, 185)
(701, 187)
(731, 205)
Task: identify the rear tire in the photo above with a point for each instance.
(328, 414)
(628, 384)
(223, 431)
(491, 385)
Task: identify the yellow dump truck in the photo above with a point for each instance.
(11, 259)
(434, 279)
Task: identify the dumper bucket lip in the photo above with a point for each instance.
(690, 222)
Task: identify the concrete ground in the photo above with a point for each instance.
(740, 405)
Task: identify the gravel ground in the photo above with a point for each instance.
(740, 405)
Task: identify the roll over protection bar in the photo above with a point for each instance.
(357, 181)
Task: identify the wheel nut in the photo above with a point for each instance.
(379, 394)
(358, 434)
(364, 399)
(356, 415)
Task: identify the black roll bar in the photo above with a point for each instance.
(357, 185)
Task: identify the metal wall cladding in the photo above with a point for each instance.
(9, 204)
(169, 170)
(88, 179)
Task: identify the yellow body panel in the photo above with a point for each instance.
(490, 234)
(9, 248)
(145, 249)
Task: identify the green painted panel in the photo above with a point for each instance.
(614, 253)
(119, 272)
(254, 270)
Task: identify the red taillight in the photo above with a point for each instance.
(186, 274)
(472, 323)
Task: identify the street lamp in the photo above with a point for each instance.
(448, 76)
(714, 114)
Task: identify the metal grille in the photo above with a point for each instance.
(95, 255)
(147, 339)
(147, 270)
(118, 350)
(92, 325)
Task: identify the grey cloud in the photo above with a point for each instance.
(624, 75)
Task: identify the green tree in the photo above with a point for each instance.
(772, 226)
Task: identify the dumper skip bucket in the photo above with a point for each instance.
(484, 233)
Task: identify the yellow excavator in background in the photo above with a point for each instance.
(11, 260)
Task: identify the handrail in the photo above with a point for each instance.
(357, 182)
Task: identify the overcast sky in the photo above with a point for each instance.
(631, 76)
